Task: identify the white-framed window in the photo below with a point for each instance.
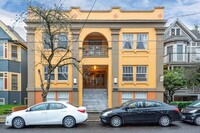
(141, 41)
(46, 73)
(51, 96)
(1, 51)
(62, 40)
(2, 101)
(14, 82)
(127, 73)
(126, 96)
(141, 73)
(63, 72)
(63, 96)
(140, 95)
(1, 81)
(175, 31)
(127, 41)
(14, 54)
(46, 41)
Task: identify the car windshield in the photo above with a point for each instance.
(195, 104)
(125, 103)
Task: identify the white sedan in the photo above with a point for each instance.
(48, 113)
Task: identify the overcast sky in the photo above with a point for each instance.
(173, 8)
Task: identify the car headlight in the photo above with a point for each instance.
(106, 113)
(193, 111)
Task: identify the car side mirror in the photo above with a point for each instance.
(27, 110)
(126, 108)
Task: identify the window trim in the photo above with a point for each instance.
(3, 101)
(54, 96)
(124, 99)
(59, 80)
(175, 31)
(142, 41)
(67, 99)
(46, 73)
(140, 93)
(3, 51)
(57, 36)
(16, 82)
(142, 73)
(14, 58)
(123, 40)
(127, 73)
(3, 81)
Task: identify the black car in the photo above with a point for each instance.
(192, 113)
(136, 111)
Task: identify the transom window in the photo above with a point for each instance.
(62, 40)
(141, 73)
(141, 41)
(63, 72)
(14, 52)
(1, 51)
(1, 81)
(14, 82)
(46, 73)
(127, 73)
(127, 41)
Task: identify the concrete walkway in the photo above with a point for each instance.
(92, 117)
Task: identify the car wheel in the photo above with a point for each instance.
(18, 123)
(116, 121)
(164, 121)
(69, 122)
(197, 120)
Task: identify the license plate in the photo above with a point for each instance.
(183, 117)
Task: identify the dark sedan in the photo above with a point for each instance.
(137, 111)
(192, 113)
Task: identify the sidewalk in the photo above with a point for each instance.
(92, 117)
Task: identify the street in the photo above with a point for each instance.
(96, 127)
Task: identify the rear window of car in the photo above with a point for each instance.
(195, 104)
(152, 104)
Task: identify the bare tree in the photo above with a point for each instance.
(55, 49)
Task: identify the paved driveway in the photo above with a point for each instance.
(96, 127)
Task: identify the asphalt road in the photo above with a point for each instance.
(96, 127)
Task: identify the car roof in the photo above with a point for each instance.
(145, 100)
(55, 102)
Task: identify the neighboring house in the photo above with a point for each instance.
(13, 67)
(182, 49)
(122, 53)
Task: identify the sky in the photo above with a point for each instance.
(174, 9)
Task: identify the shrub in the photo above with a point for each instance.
(181, 104)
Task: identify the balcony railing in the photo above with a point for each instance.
(95, 50)
(182, 58)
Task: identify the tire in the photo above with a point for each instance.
(18, 123)
(69, 122)
(197, 121)
(116, 121)
(164, 121)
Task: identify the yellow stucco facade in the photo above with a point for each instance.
(108, 65)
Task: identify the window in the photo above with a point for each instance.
(46, 73)
(39, 107)
(141, 41)
(46, 41)
(138, 104)
(55, 106)
(172, 32)
(178, 32)
(63, 96)
(62, 40)
(127, 41)
(150, 104)
(14, 82)
(127, 73)
(14, 52)
(63, 72)
(1, 51)
(1, 81)
(141, 73)
(175, 31)
(126, 96)
(140, 95)
(2, 101)
(51, 96)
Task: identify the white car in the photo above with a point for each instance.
(48, 113)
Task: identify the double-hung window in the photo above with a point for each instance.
(63, 96)
(127, 73)
(62, 40)
(46, 41)
(63, 72)
(14, 82)
(1, 51)
(126, 96)
(46, 73)
(141, 73)
(1, 81)
(141, 41)
(14, 52)
(51, 96)
(140, 95)
(127, 41)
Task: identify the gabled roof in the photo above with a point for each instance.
(196, 33)
(12, 34)
(184, 27)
